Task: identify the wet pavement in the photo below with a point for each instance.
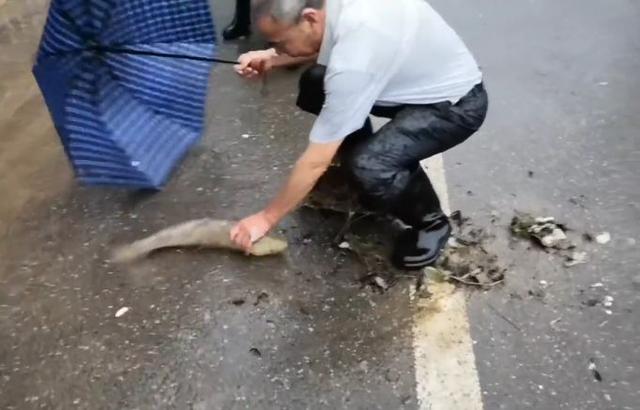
(29, 150)
(562, 77)
(203, 329)
(207, 330)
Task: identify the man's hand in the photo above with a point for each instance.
(250, 230)
(255, 63)
(308, 169)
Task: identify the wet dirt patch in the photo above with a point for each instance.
(369, 238)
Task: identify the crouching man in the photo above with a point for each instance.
(396, 59)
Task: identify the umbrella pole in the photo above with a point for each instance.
(117, 50)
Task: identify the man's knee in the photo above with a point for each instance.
(378, 182)
(311, 89)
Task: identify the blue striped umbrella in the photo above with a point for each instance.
(126, 83)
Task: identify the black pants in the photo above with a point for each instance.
(381, 164)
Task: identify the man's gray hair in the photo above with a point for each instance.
(284, 11)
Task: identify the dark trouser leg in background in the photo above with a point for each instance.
(385, 166)
(241, 24)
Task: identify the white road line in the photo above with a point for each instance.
(446, 374)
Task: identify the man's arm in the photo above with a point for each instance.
(256, 63)
(306, 172)
(284, 60)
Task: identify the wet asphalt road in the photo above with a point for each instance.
(302, 333)
(564, 85)
(204, 330)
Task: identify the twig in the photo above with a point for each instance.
(345, 227)
(506, 319)
(480, 285)
(350, 221)
(464, 282)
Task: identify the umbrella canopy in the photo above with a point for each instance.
(126, 84)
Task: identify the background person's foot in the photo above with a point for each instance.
(241, 24)
(236, 30)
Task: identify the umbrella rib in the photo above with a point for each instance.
(120, 50)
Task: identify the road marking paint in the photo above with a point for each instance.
(446, 374)
(445, 368)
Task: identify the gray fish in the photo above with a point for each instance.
(205, 233)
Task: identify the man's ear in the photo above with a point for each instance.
(310, 15)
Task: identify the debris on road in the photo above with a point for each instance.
(596, 295)
(457, 218)
(254, 351)
(504, 317)
(122, 311)
(466, 261)
(603, 238)
(575, 258)
(538, 293)
(263, 297)
(454, 243)
(302, 309)
(591, 302)
(554, 322)
(377, 283)
(238, 301)
(579, 201)
(380, 282)
(544, 231)
(344, 245)
(552, 237)
(594, 370)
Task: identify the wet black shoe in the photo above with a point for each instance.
(417, 248)
(236, 30)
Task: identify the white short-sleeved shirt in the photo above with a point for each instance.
(387, 52)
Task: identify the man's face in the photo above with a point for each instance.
(296, 40)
